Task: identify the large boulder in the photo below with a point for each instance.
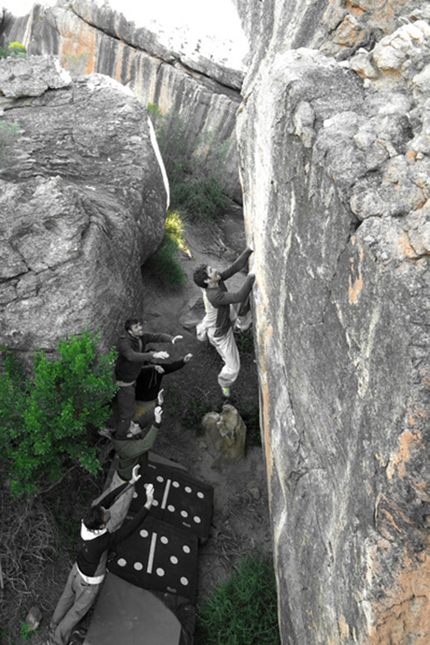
(90, 37)
(335, 166)
(82, 203)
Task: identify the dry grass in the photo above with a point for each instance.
(28, 540)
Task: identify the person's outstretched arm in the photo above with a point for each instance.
(128, 527)
(238, 265)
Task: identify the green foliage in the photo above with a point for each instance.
(153, 110)
(202, 197)
(194, 413)
(16, 50)
(8, 132)
(245, 341)
(13, 50)
(24, 630)
(164, 265)
(75, 63)
(45, 418)
(243, 610)
(194, 169)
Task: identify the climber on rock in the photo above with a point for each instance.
(225, 311)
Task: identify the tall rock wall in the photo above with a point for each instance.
(335, 167)
(82, 204)
(90, 37)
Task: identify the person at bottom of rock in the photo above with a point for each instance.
(225, 310)
(88, 572)
(134, 447)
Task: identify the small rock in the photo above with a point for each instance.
(33, 618)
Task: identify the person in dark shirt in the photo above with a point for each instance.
(88, 572)
(132, 358)
(223, 310)
(148, 383)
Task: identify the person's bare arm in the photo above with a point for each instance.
(238, 265)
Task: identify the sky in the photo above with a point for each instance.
(214, 23)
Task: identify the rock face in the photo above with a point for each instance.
(335, 166)
(90, 37)
(82, 204)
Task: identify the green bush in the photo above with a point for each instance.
(164, 265)
(45, 418)
(75, 63)
(194, 169)
(16, 50)
(242, 610)
(13, 50)
(8, 132)
(245, 341)
(204, 198)
(194, 413)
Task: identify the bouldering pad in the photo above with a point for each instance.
(128, 615)
(159, 557)
(179, 499)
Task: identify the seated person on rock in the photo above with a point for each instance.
(89, 570)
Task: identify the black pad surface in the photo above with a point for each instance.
(179, 499)
(158, 556)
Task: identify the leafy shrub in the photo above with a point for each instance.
(204, 198)
(164, 265)
(194, 169)
(245, 341)
(8, 132)
(14, 50)
(75, 63)
(194, 413)
(243, 610)
(45, 418)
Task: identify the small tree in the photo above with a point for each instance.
(45, 418)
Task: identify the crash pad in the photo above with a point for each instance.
(179, 499)
(159, 557)
(128, 615)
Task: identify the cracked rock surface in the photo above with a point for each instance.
(82, 204)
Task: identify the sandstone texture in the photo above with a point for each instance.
(82, 204)
(90, 37)
(335, 166)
